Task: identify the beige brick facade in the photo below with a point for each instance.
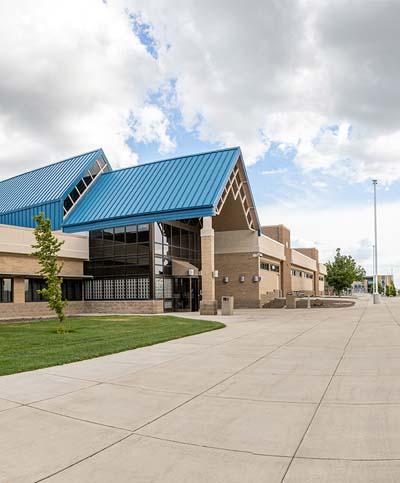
(233, 266)
(27, 265)
(40, 309)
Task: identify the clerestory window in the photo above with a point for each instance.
(98, 167)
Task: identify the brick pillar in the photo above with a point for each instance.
(19, 291)
(208, 304)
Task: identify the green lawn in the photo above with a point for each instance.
(32, 345)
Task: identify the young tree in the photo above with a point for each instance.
(388, 291)
(393, 291)
(342, 272)
(380, 288)
(46, 251)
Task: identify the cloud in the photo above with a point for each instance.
(274, 171)
(73, 73)
(319, 78)
(150, 125)
(287, 73)
(319, 185)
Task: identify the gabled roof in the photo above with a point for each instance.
(46, 184)
(185, 187)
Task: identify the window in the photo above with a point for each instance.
(32, 286)
(71, 289)
(264, 266)
(6, 290)
(98, 167)
(275, 268)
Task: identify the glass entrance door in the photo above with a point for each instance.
(185, 294)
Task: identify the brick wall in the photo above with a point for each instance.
(233, 265)
(40, 309)
(26, 264)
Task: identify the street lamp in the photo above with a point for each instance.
(375, 295)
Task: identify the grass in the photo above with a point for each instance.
(32, 345)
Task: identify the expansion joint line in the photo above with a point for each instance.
(323, 394)
(134, 432)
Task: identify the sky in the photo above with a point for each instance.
(308, 89)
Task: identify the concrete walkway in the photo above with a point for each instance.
(279, 395)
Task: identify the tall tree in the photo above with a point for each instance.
(46, 251)
(342, 272)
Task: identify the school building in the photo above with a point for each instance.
(172, 235)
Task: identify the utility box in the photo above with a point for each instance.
(290, 301)
(227, 305)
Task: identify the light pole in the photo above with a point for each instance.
(373, 269)
(376, 293)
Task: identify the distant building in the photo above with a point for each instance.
(366, 286)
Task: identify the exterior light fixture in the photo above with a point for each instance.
(256, 278)
(190, 272)
(226, 279)
(215, 274)
(241, 278)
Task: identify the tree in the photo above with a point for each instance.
(380, 288)
(46, 251)
(393, 291)
(388, 291)
(342, 272)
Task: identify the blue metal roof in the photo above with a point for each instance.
(44, 190)
(177, 188)
(44, 185)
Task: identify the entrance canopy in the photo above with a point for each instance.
(191, 186)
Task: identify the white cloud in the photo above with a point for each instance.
(150, 125)
(283, 72)
(270, 172)
(72, 74)
(319, 185)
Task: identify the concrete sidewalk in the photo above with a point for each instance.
(278, 395)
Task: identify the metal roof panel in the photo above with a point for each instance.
(173, 186)
(43, 185)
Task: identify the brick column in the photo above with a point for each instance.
(208, 304)
(19, 291)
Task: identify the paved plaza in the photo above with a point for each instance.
(278, 395)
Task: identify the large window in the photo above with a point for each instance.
(172, 242)
(6, 290)
(119, 252)
(120, 260)
(71, 289)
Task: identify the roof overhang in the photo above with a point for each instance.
(145, 218)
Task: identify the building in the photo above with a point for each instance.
(171, 235)
(383, 280)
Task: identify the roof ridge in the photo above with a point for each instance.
(173, 159)
(51, 164)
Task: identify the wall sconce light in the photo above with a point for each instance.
(226, 279)
(215, 274)
(190, 272)
(241, 278)
(256, 278)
